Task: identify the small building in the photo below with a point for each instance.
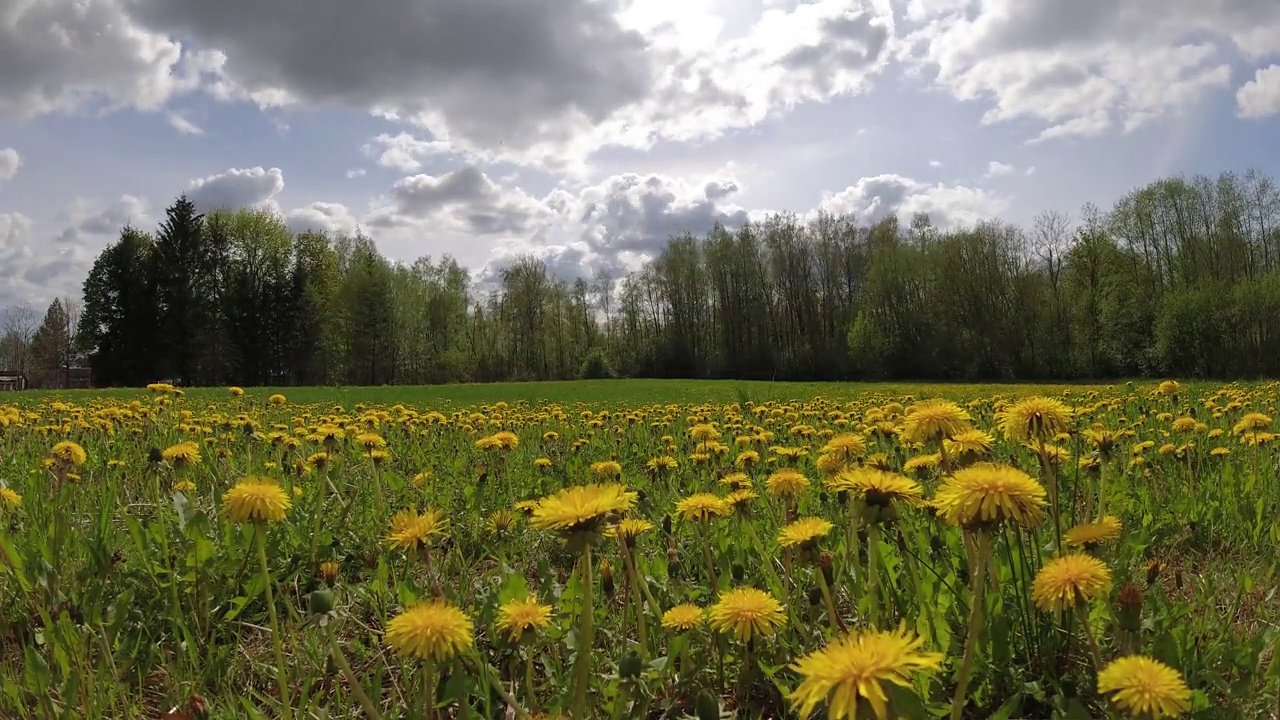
(12, 380)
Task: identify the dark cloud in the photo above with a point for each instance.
(497, 71)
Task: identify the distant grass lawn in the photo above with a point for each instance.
(601, 392)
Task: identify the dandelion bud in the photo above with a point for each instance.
(706, 706)
(155, 456)
(1153, 572)
(630, 667)
(815, 596)
(606, 577)
(673, 563)
(738, 572)
(666, 524)
(328, 571)
(1129, 602)
(321, 601)
(828, 571)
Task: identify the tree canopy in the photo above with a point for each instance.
(1181, 277)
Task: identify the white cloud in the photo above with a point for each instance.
(1260, 97)
(1088, 67)
(183, 125)
(995, 168)
(356, 173)
(59, 55)
(237, 188)
(874, 198)
(10, 161)
(333, 218)
(404, 152)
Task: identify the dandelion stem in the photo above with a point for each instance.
(530, 697)
(634, 581)
(1082, 612)
(321, 497)
(977, 587)
(356, 686)
(836, 622)
(282, 677)
(586, 630)
(873, 573)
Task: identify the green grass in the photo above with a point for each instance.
(598, 392)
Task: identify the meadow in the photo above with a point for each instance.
(641, 549)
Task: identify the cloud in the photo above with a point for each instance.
(463, 67)
(59, 55)
(1088, 67)
(237, 188)
(333, 218)
(1260, 97)
(465, 200)
(404, 152)
(996, 168)
(85, 226)
(10, 161)
(32, 273)
(356, 173)
(872, 199)
(183, 125)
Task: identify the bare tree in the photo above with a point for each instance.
(20, 323)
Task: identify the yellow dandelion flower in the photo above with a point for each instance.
(606, 468)
(582, 508)
(746, 613)
(1090, 534)
(786, 483)
(933, 420)
(855, 669)
(629, 528)
(182, 456)
(803, 532)
(69, 453)
(328, 571)
(1034, 418)
(990, 493)
(683, 618)
(9, 498)
(411, 530)
(517, 618)
(702, 506)
(501, 522)
(277, 399)
(1144, 687)
(432, 630)
(1068, 580)
(236, 391)
(184, 486)
(256, 500)
(877, 487)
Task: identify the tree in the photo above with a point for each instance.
(51, 347)
(19, 327)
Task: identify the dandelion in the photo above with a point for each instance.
(411, 530)
(582, 508)
(1033, 418)
(1144, 687)
(804, 533)
(1068, 580)
(990, 494)
(433, 630)
(683, 618)
(787, 483)
(855, 670)
(277, 399)
(10, 500)
(1089, 535)
(69, 454)
(702, 506)
(932, 421)
(256, 500)
(182, 456)
(519, 619)
(746, 613)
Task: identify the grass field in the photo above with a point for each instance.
(641, 549)
(605, 392)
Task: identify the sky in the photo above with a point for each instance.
(586, 132)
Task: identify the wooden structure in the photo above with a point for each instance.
(12, 380)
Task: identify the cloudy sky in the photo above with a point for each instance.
(587, 131)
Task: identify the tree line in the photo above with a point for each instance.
(1180, 277)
